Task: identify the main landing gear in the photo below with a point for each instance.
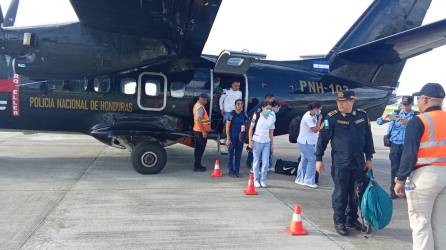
(148, 158)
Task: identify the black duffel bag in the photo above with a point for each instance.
(286, 167)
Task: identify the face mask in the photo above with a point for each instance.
(276, 110)
(267, 112)
(318, 113)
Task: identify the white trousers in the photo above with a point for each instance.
(427, 208)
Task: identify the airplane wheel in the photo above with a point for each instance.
(149, 158)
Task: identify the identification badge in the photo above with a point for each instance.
(243, 128)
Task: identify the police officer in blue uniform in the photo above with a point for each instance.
(350, 135)
(397, 131)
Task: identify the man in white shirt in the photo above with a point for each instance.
(261, 134)
(307, 140)
(227, 100)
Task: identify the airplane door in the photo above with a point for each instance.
(152, 91)
(237, 63)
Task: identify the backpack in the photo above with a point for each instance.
(293, 129)
(376, 205)
(248, 126)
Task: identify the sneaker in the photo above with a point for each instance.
(299, 183)
(312, 185)
(256, 184)
(271, 169)
(263, 184)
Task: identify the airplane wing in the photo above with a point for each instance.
(400, 46)
(184, 24)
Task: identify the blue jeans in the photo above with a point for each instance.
(307, 166)
(261, 150)
(250, 158)
(235, 155)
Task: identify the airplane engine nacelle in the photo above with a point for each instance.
(73, 51)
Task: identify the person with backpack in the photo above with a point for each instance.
(261, 137)
(397, 131)
(269, 97)
(235, 125)
(307, 139)
(349, 132)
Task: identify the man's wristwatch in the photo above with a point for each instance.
(398, 181)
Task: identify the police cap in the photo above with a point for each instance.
(346, 95)
(407, 100)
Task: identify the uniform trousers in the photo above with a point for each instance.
(200, 146)
(396, 150)
(427, 208)
(344, 203)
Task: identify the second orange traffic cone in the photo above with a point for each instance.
(250, 190)
(296, 227)
(217, 171)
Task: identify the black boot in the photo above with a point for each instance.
(340, 229)
(354, 224)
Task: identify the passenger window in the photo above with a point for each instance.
(102, 84)
(152, 88)
(128, 86)
(152, 91)
(75, 85)
(177, 89)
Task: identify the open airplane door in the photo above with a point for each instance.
(237, 63)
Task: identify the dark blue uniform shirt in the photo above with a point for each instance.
(350, 136)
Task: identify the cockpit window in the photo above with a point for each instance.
(128, 86)
(102, 84)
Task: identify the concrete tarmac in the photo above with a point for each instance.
(72, 192)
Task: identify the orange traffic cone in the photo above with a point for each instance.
(217, 171)
(250, 190)
(296, 227)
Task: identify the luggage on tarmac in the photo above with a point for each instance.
(286, 167)
(376, 206)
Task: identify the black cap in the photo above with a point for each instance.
(204, 95)
(346, 95)
(433, 90)
(407, 100)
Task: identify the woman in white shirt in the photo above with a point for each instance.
(307, 139)
(261, 134)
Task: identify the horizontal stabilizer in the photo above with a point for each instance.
(398, 47)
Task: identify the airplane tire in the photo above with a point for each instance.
(149, 158)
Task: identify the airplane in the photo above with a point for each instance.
(129, 72)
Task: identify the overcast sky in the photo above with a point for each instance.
(282, 29)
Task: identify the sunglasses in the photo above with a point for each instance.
(423, 97)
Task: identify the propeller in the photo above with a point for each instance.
(6, 70)
(11, 15)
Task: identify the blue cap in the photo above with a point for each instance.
(433, 90)
(204, 95)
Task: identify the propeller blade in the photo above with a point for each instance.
(1, 16)
(11, 14)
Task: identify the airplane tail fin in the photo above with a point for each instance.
(382, 19)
